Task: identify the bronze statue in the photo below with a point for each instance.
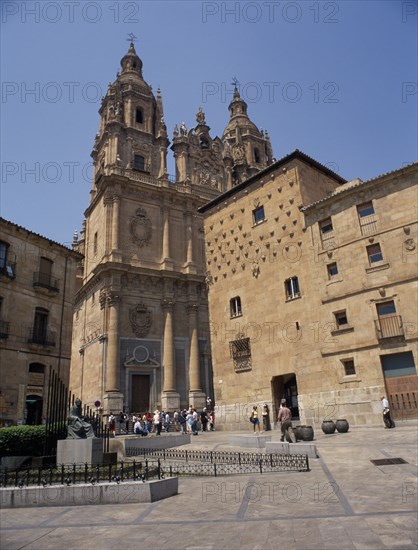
(78, 427)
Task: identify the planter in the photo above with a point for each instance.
(298, 433)
(342, 426)
(328, 426)
(307, 433)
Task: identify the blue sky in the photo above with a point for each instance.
(337, 80)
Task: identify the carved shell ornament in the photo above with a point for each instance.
(141, 320)
(140, 228)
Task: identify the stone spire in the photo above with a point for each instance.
(243, 142)
(131, 62)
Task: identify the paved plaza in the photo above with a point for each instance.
(344, 502)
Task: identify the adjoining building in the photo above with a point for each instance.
(313, 294)
(140, 337)
(38, 284)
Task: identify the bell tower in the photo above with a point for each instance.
(246, 149)
(132, 133)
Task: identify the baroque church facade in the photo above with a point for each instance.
(141, 322)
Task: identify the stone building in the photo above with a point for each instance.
(140, 336)
(38, 284)
(313, 293)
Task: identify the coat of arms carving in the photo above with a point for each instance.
(140, 227)
(141, 320)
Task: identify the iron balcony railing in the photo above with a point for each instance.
(45, 280)
(8, 269)
(4, 329)
(41, 337)
(389, 327)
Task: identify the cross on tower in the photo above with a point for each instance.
(235, 82)
(132, 38)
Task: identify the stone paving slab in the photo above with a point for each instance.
(344, 502)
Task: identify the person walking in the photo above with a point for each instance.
(285, 419)
(255, 420)
(387, 418)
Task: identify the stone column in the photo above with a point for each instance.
(166, 258)
(115, 223)
(190, 264)
(196, 396)
(170, 399)
(163, 162)
(113, 400)
(116, 254)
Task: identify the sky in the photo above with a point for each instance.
(336, 80)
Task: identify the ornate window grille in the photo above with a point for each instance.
(240, 350)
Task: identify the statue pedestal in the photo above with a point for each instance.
(80, 451)
(170, 401)
(197, 400)
(113, 402)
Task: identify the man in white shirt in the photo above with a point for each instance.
(387, 419)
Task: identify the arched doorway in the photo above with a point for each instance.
(285, 387)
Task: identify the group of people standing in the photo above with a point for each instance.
(184, 421)
(284, 417)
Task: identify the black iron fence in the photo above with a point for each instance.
(60, 400)
(76, 474)
(223, 459)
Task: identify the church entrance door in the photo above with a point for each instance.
(140, 389)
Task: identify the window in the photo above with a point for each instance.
(374, 253)
(341, 318)
(388, 324)
(256, 156)
(332, 270)
(292, 288)
(45, 271)
(235, 306)
(258, 215)
(139, 163)
(386, 308)
(6, 267)
(3, 255)
(326, 229)
(139, 116)
(240, 350)
(365, 209)
(40, 326)
(349, 368)
(367, 218)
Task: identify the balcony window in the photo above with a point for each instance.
(326, 229)
(6, 268)
(388, 323)
(43, 278)
(367, 218)
(39, 333)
